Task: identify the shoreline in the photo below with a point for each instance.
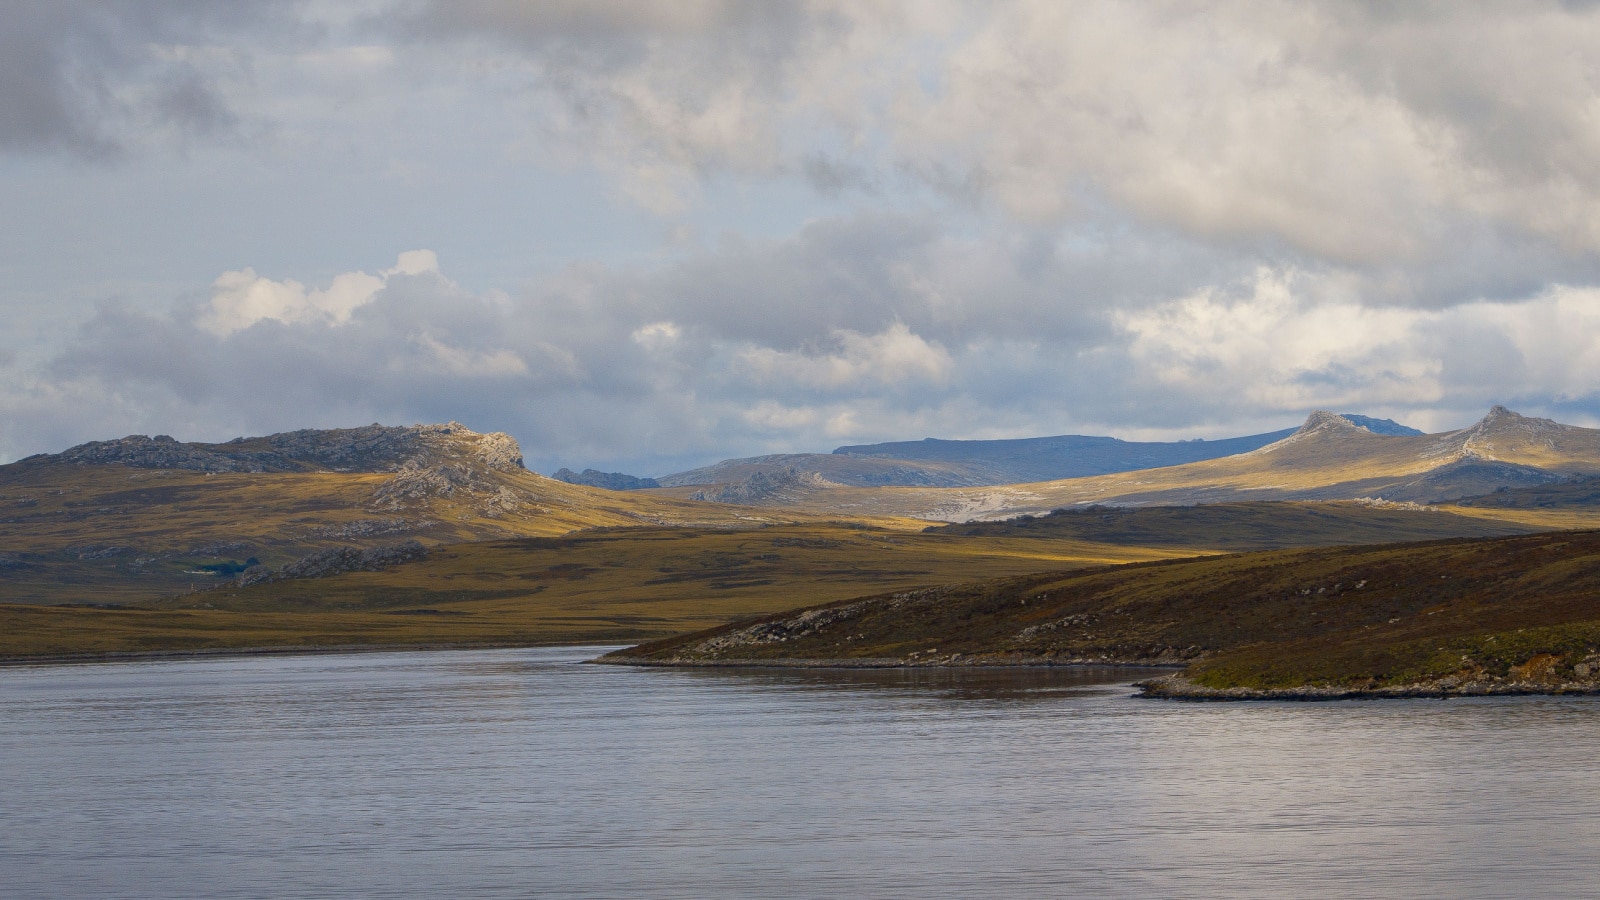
(886, 662)
(1173, 686)
(115, 656)
(874, 663)
(1166, 687)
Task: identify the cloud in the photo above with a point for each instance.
(241, 299)
(1355, 133)
(1264, 344)
(96, 79)
(854, 361)
(892, 219)
(663, 381)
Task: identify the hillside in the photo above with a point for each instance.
(1229, 527)
(1328, 458)
(619, 584)
(1517, 614)
(604, 585)
(113, 520)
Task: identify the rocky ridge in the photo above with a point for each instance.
(372, 448)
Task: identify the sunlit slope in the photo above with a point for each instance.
(1230, 527)
(137, 517)
(1327, 458)
(612, 586)
(1472, 616)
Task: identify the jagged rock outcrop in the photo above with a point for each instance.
(334, 561)
(160, 452)
(372, 448)
(611, 481)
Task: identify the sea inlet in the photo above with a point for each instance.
(512, 773)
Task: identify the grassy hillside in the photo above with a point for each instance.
(111, 533)
(1244, 526)
(612, 585)
(1518, 613)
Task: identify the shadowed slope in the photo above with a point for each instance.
(1473, 616)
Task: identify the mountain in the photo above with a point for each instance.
(140, 515)
(611, 481)
(1505, 615)
(1380, 426)
(1330, 457)
(1063, 456)
(839, 469)
(934, 462)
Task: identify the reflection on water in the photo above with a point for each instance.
(510, 773)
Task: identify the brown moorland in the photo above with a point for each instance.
(1519, 614)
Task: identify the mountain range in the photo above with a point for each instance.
(141, 515)
(933, 462)
(1330, 457)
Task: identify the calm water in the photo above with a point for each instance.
(515, 773)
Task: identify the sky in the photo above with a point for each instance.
(647, 236)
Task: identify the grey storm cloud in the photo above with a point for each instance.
(90, 78)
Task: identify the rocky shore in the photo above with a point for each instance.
(1178, 687)
(952, 661)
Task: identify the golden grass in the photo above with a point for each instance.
(618, 585)
(112, 534)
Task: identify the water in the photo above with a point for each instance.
(518, 773)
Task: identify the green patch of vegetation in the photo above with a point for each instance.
(226, 569)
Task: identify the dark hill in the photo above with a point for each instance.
(611, 481)
(1063, 456)
(1502, 615)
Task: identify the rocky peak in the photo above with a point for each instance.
(1322, 423)
(1502, 420)
(1322, 420)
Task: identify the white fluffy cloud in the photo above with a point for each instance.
(241, 299)
(1266, 345)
